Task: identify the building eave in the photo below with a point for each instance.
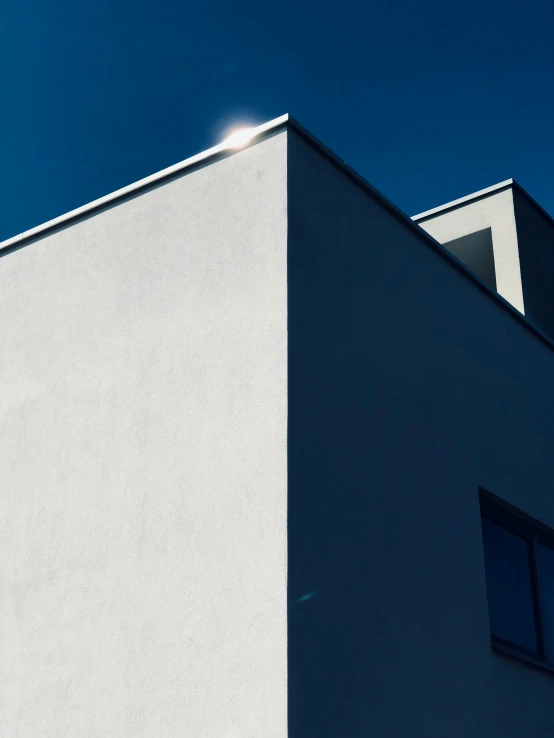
(453, 204)
(480, 195)
(204, 157)
(259, 133)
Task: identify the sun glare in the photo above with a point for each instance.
(239, 138)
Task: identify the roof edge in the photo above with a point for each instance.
(182, 166)
(273, 126)
(481, 194)
(464, 200)
(426, 237)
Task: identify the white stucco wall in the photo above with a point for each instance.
(495, 211)
(143, 464)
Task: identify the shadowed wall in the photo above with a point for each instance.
(408, 387)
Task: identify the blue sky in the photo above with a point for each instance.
(429, 101)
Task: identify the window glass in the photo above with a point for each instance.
(545, 573)
(509, 589)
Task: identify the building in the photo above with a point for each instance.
(270, 455)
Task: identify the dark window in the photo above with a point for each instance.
(545, 572)
(508, 570)
(519, 568)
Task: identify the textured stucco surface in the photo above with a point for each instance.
(143, 464)
(409, 386)
(496, 212)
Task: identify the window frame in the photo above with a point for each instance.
(534, 532)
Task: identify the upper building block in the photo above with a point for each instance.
(505, 238)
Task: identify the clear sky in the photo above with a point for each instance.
(429, 101)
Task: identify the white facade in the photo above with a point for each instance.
(246, 410)
(143, 412)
